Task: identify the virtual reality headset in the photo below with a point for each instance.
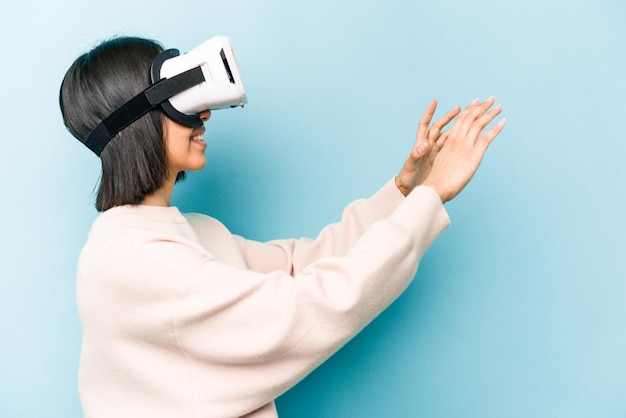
(205, 78)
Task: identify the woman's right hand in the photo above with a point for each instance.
(463, 150)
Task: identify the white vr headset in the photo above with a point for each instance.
(205, 78)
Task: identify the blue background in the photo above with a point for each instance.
(518, 309)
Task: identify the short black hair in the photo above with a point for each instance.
(134, 163)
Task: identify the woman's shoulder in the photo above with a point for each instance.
(149, 233)
(207, 227)
(136, 223)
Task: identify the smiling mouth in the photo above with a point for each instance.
(198, 135)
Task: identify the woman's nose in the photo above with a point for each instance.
(205, 115)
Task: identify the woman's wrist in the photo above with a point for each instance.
(444, 198)
(403, 189)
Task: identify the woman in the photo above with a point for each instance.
(183, 319)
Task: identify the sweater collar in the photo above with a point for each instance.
(170, 214)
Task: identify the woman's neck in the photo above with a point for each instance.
(162, 196)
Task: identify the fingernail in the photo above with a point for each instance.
(421, 148)
(475, 101)
(502, 122)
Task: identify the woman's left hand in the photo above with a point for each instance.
(428, 142)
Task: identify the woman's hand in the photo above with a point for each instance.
(428, 142)
(465, 144)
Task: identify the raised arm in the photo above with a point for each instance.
(336, 239)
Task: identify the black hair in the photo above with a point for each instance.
(134, 163)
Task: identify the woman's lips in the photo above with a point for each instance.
(197, 135)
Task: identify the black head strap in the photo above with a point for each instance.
(140, 105)
(167, 108)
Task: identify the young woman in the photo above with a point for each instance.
(183, 319)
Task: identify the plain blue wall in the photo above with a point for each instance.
(518, 310)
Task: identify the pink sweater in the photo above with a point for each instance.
(183, 319)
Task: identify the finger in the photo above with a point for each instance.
(462, 115)
(435, 130)
(419, 150)
(484, 106)
(490, 135)
(479, 124)
(469, 115)
(441, 140)
(424, 124)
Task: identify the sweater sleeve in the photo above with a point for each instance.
(292, 255)
(254, 335)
